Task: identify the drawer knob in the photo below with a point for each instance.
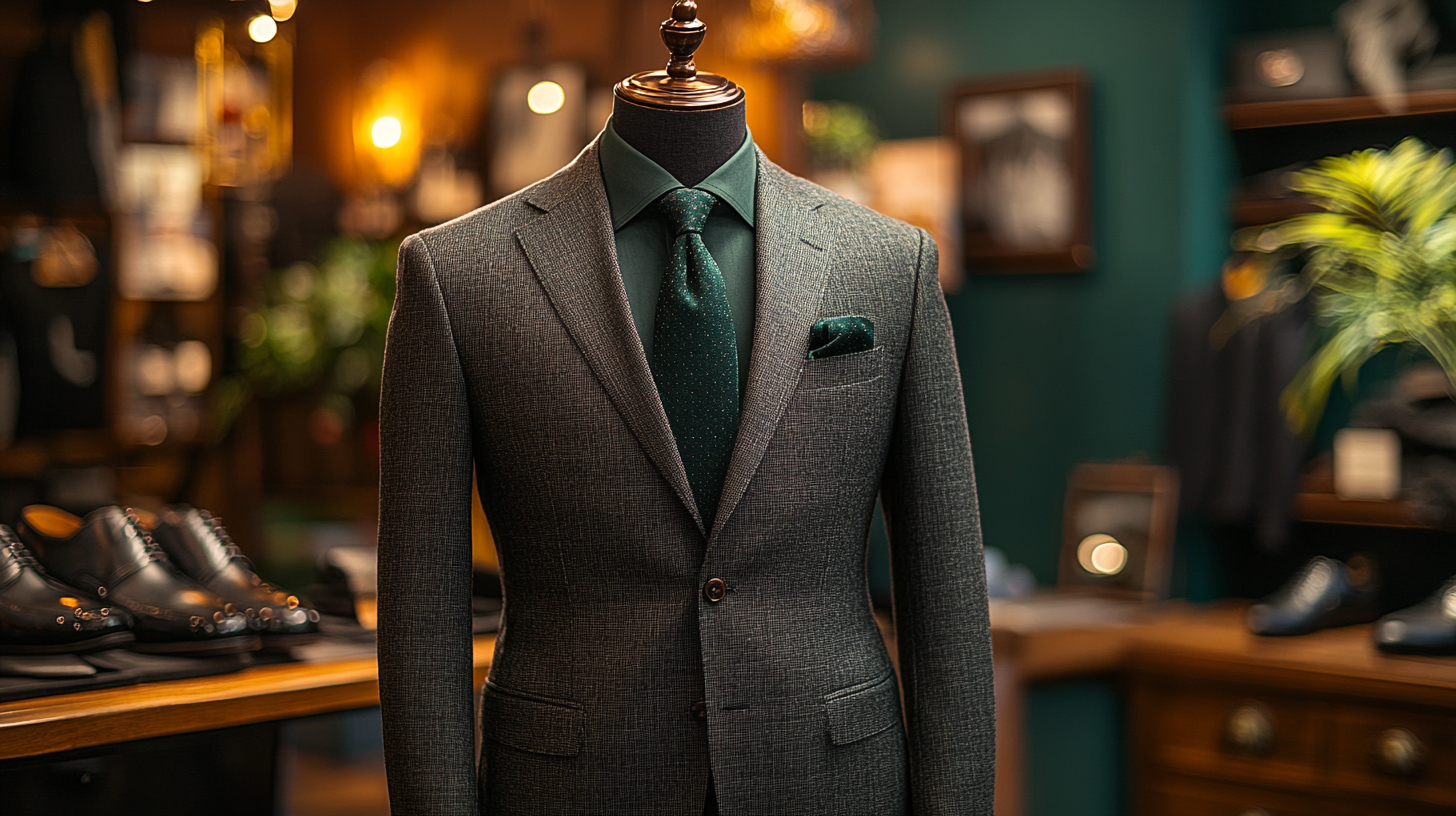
(1398, 752)
(1249, 729)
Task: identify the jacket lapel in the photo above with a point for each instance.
(574, 253)
(791, 252)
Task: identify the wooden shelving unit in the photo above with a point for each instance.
(1317, 502)
(1250, 212)
(1251, 115)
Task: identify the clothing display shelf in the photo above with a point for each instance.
(1301, 119)
(1253, 115)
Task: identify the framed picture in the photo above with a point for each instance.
(1117, 530)
(1024, 192)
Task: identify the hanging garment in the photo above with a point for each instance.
(1238, 460)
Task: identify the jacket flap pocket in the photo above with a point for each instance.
(863, 710)
(531, 723)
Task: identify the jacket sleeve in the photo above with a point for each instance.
(939, 577)
(425, 664)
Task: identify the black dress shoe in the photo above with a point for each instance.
(112, 556)
(1429, 627)
(40, 615)
(197, 544)
(1323, 595)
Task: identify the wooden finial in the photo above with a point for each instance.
(682, 34)
(680, 86)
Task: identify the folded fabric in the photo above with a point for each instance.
(846, 334)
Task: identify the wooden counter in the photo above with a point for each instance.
(46, 724)
(1224, 721)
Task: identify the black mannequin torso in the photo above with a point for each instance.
(689, 144)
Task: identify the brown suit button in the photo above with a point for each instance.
(714, 589)
(700, 710)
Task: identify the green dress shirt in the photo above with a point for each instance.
(633, 183)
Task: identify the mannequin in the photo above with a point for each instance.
(688, 122)
(689, 144)
(656, 657)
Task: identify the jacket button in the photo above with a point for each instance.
(700, 710)
(714, 589)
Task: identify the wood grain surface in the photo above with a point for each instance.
(46, 724)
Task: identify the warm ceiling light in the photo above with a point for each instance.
(545, 97)
(386, 131)
(262, 28)
(282, 9)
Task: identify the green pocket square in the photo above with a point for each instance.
(847, 334)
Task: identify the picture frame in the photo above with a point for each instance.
(1118, 526)
(1024, 188)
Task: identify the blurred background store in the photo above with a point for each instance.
(200, 206)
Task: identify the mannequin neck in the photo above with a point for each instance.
(688, 144)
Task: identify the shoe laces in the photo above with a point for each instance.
(18, 551)
(1310, 583)
(214, 524)
(153, 549)
(234, 552)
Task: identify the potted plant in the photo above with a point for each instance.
(1380, 264)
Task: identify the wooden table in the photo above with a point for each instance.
(46, 724)
(1050, 636)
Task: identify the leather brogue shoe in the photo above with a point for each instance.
(198, 544)
(111, 555)
(40, 615)
(1325, 594)
(1429, 627)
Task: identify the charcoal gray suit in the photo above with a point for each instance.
(512, 350)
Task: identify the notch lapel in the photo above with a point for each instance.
(573, 251)
(791, 250)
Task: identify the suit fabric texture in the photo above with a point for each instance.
(512, 354)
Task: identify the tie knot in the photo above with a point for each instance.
(686, 209)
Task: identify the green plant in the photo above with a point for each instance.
(1381, 263)
(319, 328)
(840, 136)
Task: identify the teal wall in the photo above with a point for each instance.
(1061, 369)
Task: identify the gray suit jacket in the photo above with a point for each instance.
(512, 350)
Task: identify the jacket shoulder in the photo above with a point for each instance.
(849, 220)
(478, 228)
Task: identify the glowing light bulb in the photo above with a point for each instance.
(282, 9)
(262, 28)
(545, 97)
(1109, 557)
(1101, 554)
(386, 132)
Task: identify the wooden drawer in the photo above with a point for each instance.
(1174, 795)
(1401, 752)
(1179, 796)
(1238, 734)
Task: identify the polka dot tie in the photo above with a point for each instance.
(694, 352)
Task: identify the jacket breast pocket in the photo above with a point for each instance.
(531, 723)
(862, 710)
(842, 369)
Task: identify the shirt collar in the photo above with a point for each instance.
(634, 181)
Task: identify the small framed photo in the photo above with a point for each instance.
(1117, 530)
(1024, 194)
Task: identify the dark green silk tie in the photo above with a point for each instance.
(694, 354)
